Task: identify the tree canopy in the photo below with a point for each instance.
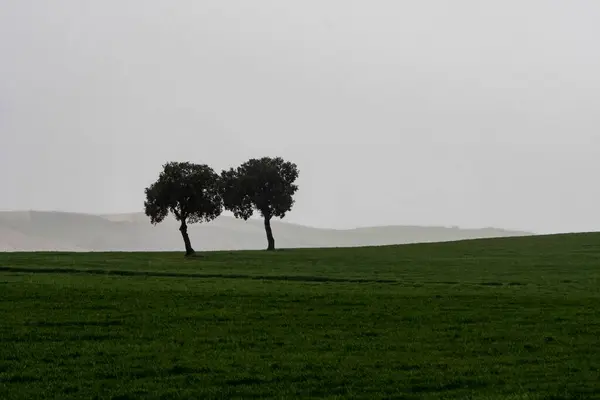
(191, 192)
(265, 185)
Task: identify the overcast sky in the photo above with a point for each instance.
(471, 113)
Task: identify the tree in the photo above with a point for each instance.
(189, 191)
(266, 185)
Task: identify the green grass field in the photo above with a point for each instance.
(515, 318)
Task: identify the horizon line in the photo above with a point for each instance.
(108, 214)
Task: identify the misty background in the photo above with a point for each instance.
(467, 113)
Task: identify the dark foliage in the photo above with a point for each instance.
(266, 185)
(189, 191)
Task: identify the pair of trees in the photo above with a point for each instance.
(196, 193)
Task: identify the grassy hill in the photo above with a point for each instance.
(42, 231)
(509, 318)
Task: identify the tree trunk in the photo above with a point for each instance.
(270, 238)
(186, 239)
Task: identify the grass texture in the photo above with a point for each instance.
(511, 318)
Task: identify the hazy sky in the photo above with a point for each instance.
(471, 113)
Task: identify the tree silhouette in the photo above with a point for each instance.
(189, 191)
(266, 185)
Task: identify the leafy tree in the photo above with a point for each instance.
(266, 185)
(189, 191)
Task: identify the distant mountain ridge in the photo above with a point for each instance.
(63, 231)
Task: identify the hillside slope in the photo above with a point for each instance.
(59, 231)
